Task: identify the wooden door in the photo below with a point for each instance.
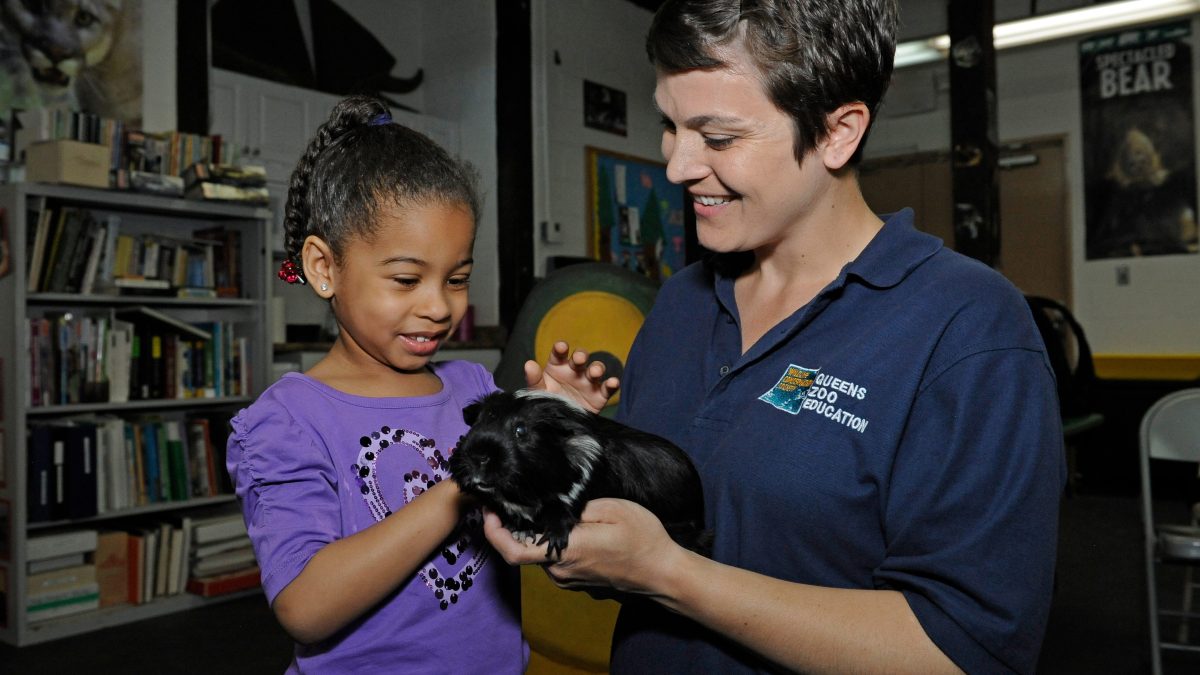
(1035, 252)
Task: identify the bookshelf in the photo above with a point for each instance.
(236, 321)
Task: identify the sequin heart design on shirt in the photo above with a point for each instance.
(452, 570)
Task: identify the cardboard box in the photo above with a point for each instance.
(69, 162)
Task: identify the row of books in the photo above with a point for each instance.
(134, 154)
(73, 250)
(82, 570)
(83, 467)
(226, 182)
(52, 124)
(133, 353)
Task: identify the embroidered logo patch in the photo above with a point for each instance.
(819, 393)
(789, 392)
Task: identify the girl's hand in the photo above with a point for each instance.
(573, 377)
(617, 544)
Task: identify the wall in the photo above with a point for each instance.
(573, 40)
(458, 51)
(158, 86)
(1038, 94)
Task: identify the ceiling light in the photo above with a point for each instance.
(1091, 19)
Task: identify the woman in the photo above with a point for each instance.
(872, 415)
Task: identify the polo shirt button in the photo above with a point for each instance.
(724, 371)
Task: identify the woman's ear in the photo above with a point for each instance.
(847, 126)
(319, 265)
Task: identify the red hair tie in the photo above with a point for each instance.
(291, 273)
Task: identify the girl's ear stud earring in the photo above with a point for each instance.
(324, 287)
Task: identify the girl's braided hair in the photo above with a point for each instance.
(359, 163)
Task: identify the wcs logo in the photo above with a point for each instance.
(789, 392)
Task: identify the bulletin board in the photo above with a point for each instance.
(635, 215)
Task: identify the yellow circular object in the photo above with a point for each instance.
(593, 321)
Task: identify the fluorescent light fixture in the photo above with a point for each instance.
(1054, 26)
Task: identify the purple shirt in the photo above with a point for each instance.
(312, 465)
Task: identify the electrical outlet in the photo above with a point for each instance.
(551, 232)
(1122, 275)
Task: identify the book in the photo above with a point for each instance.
(222, 192)
(162, 569)
(119, 362)
(112, 567)
(152, 480)
(56, 582)
(54, 238)
(216, 528)
(213, 548)
(149, 563)
(56, 563)
(183, 525)
(38, 249)
(63, 253)
(94, 254)
(89, 231)
(225, 174)
(79, 461)
(175, 561)
(136, 566)
(226, 561)
(41, 483)
(177, 455)
(203, 457)
(74, 601)
(45, 546)
(230, 582)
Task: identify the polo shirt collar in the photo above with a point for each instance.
(897, 250)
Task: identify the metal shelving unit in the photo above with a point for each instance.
(249, 312)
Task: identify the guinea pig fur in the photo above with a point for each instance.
(536, 459)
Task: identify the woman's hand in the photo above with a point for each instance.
(573, 377)
(617, 544)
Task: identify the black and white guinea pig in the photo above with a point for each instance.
(536, 459)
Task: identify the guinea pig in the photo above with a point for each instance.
(536, 459)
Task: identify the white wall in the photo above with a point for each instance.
(158, 73)
(458, 51)
(1038, 94)
(601, 41)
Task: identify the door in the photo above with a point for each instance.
(1035, 228)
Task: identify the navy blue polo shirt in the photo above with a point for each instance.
(900, 431)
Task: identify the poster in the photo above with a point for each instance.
(604, 108)
(58, 55)
(635, 215)
(1138, 143)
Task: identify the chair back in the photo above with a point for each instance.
(1171, 427)
(1069, 354)
(1170, 431)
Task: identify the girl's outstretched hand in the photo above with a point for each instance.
(573, 377)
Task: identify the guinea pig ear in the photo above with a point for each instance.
(471, 413)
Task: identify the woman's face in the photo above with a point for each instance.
(732, 149)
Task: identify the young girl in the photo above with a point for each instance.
(371, 557)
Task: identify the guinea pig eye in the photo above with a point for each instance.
(519, 431)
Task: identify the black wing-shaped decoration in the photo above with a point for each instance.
(264, 39)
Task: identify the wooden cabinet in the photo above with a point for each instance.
(243, 311)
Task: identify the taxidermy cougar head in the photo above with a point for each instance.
(60, 38)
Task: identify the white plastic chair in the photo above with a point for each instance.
(1170, 431)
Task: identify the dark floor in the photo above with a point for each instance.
(1097, 624)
